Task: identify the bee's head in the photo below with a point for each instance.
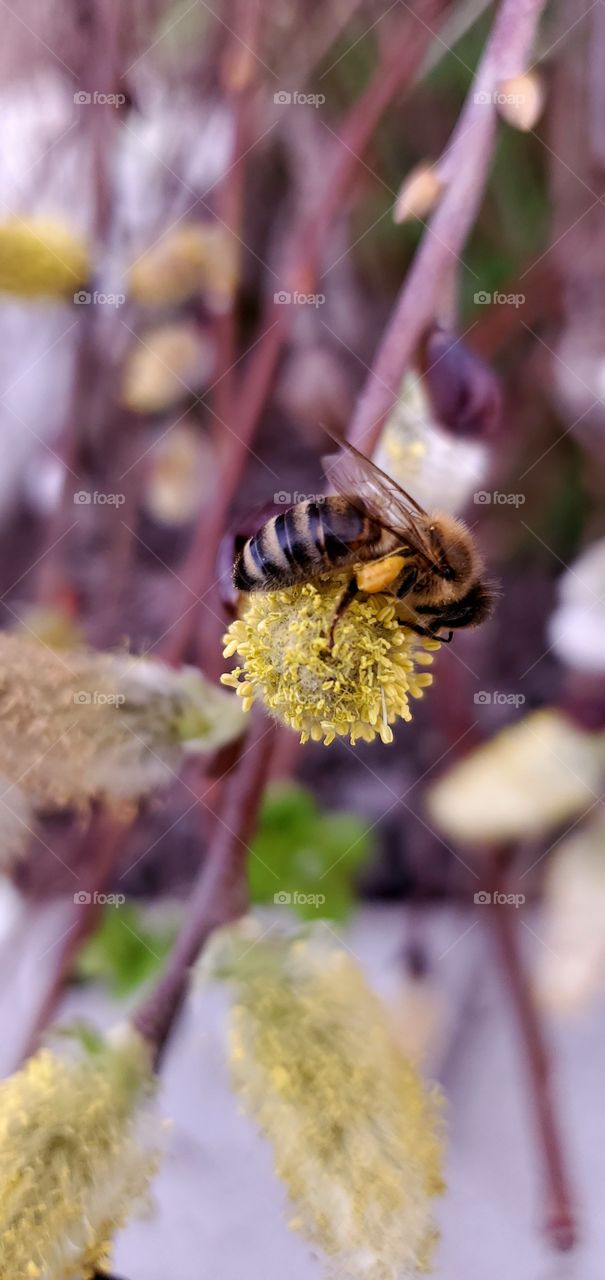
(456, 558)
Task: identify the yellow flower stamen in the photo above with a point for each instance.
(358, 688)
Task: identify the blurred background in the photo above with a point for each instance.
(207, 217)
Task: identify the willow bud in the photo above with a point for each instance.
(463, 389)
(520, 100)
(418, 193)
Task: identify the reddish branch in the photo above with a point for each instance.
(97, 124)
(559, 1223)
(464, 169)
(396, 71)
(105, 838)
(238, 74)
(220, 892)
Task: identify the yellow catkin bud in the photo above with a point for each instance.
(167, 365)
(418, 194)
(77, 1151)
(355, 1133)
(77, 725)
(181, 473)
(358, 688)
(196, 258)
(40, 259)
(532, 776)
(520, 100)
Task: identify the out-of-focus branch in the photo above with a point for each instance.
(396, 71)
(97, 123)
(103, 847)
(499, 326)
(105, 838)
(220, 892)
(238, 75)
(572, 370)
(559, 1224)
(463, 170)
(310, 40)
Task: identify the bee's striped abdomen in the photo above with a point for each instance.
(293, 540)
(297, 544)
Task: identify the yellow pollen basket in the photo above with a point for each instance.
(379, 575)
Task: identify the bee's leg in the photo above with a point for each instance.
(408, 580)
(426, 631)
(347, 596)
(417, 629)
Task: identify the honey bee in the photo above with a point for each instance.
(428, 561)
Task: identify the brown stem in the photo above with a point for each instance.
(541, 289)
(395, 72)
(106, 841)
(108, 837)
(97, 74)
(51, 584)
(301, 256)
(197, 573)
(559, 1224)
(310, 42)
(220, 891)
(463, 169)
(238, 82)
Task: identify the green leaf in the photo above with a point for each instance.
(304, 858)
(124, 951)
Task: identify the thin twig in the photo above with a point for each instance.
(464, 169)
(97, 75)
(559, 1224)
(239, 87)
(106, 840)
(396, 71)
(220, 891)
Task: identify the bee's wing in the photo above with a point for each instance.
(377, 495)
